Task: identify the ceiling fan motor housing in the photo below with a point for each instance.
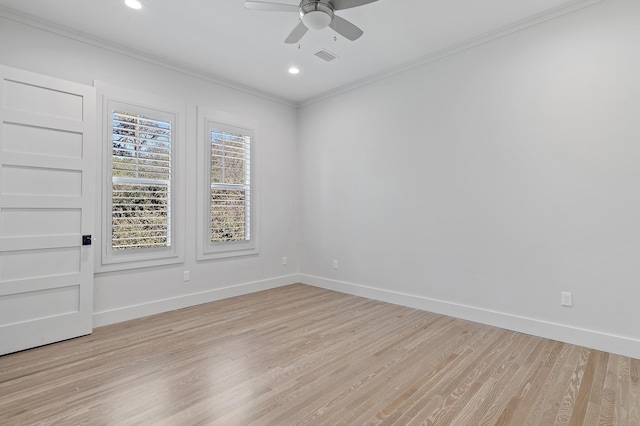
(316, 14)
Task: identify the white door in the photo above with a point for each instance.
(47, 145)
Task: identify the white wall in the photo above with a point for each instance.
(122, 295)
(484, 184)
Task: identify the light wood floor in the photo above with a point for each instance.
(303, 355)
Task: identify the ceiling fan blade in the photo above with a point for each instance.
(272, 7)
(345, 28)
(348, 4)
(298, 32)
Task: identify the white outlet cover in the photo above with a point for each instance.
(566, 298)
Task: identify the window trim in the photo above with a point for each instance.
(206, 249)
(117, 98)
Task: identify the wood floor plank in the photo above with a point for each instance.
(503, 390)
(383, 370)
(607, 406)
(382, 367)
(441, 385)
(392, 374)
(367, 347)
(479, 375)
(544, 400)
(568, 403)
(584, 390)
(622, 391)
(592, 415)
(634, 392)
(559, 387)
(302, 355)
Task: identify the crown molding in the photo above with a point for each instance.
(540, 18)
(137, 54)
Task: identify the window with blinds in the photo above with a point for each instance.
(141, 181)
(230, 177)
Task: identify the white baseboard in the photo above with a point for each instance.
(588, 338)
(165, 305)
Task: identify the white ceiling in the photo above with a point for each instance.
(224, 40)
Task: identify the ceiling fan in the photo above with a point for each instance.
(316, 15)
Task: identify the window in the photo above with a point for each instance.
(141, 181)
(141, 203)
(230, 186)
(228, 212)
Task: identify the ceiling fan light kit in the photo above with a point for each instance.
(133, 4)
(315, 15)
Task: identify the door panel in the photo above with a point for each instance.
(47, 138)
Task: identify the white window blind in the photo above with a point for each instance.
(230, 186)
(141, 181)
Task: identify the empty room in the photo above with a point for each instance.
(326, 212)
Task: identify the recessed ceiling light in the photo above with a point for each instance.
(293, 70)
(133, 4)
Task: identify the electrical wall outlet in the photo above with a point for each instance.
(187, 276)
(284, 260)
(335, 264)
(566, 298)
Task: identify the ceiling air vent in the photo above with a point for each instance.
(326, 55)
